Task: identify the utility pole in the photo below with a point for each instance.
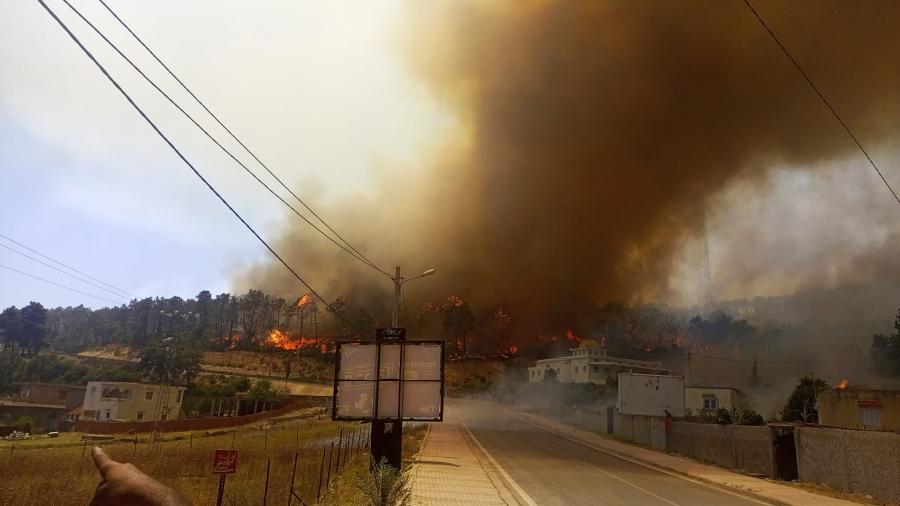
(387, 435)
(398, 281)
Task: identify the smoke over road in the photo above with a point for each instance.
(592, 139)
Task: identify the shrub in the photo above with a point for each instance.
(383, 485)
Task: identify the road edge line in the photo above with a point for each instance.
(745, 494)
(506, 477)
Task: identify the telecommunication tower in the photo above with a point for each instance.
(704, 284)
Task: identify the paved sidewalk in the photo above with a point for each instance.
(764, 489)
(449, 469)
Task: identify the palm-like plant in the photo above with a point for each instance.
(383, 485)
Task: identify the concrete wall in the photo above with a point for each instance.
(291, 403)
(594, 419)
(748, 449)
(864, 462)
(645, 430)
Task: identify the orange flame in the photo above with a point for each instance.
(572, 337)
(842, 385)
(304, 301)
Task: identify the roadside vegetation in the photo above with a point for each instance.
(60, 472)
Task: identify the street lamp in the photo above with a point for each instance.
(398, 283)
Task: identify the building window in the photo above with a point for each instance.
(107, 414)
(148, 395)
(140, 415)
(870, 416)
(710, 402)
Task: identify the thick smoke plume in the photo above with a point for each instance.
(593, 137)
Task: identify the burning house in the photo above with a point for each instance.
(589, 363)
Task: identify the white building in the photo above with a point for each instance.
(589, 363)
(700, 399)
(115, 400)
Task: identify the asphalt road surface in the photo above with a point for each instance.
(552, 470)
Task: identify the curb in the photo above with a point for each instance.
(527, 417)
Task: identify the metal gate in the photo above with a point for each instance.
(785, 453)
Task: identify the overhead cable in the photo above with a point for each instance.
(216, 141)
(38, 253)
(821, 97)
(32, 276)
(95, 285)
(180, 154)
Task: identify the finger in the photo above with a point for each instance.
(102, 461)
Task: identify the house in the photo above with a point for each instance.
(860, 408)
(69, 396)
(115, 400)
(698, 399)
(44, 417)
(589, 363)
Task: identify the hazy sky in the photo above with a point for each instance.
(324, 93)
(317, 89)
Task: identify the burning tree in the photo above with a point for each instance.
(459, 321)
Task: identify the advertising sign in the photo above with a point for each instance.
(389, 379)
(225, 462)
(650, 395)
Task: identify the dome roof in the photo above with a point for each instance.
(589, 343)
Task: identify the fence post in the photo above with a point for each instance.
(266, 489)
(13, 449)
(298, 437)
(134, 451)
(347, 451)
(191, 442)
(330, 454)
(293, 473)
(337, 468)
(321, 470)
(233, 437)
(80, 464)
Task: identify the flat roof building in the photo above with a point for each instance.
(590, 363)
(860, 408)
(116, 400)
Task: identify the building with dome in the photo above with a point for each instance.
(590, 363)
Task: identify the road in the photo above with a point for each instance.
(553, 470)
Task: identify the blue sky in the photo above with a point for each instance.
(318, 89)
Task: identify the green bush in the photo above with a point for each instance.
(383, 485)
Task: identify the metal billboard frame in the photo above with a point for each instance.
(377, 381)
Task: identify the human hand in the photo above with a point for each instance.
(124, 484)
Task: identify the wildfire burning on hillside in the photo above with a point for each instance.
(278, 339)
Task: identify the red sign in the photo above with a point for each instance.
(225, 462)
(874, 403)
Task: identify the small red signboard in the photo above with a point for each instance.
(225, 462)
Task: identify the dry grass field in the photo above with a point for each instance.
(60, 471)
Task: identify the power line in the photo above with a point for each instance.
(179, 153)
(822, 97)
(238, 140)
(38, 253)
(95, 285)
(57, 284)
(215, 141)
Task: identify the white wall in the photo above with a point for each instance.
(650, 395)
